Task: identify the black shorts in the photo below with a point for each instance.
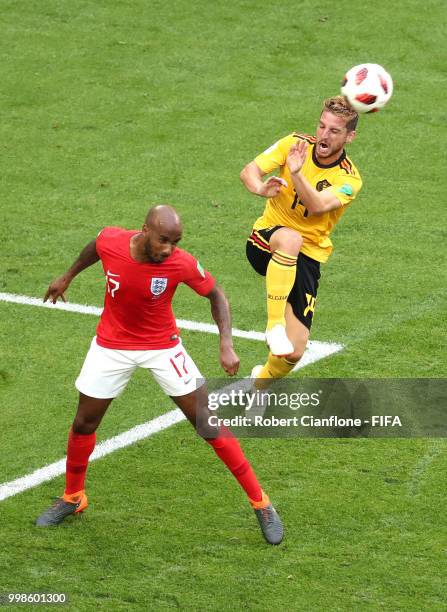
(304, 291)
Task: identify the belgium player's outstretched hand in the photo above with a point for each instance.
(57, 289)
(229, 360)
(297, 157)
(272, 186)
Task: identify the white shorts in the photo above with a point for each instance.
(106, 371)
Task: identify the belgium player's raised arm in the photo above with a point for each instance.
(87, 257)
(271, 159)
(252, 178)
(317, 203)
(221, 313)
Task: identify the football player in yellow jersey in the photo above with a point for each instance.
(316, 182)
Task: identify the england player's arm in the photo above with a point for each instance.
(87, 257)
(205, 285)
(221, 313)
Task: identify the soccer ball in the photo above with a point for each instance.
(367, 87)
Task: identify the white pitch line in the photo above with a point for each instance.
(48, 472)
(316, 350)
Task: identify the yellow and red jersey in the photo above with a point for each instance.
(341, 177)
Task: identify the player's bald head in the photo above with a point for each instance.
(162, 230)
(163, 218)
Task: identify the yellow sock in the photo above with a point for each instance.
(276, 367)
(280, 277)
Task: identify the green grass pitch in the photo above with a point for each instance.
(111, 106)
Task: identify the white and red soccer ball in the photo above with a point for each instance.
(367, 87)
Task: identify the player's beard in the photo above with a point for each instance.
(152, 257)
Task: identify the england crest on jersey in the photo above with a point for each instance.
(158, 285)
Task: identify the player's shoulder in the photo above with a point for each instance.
(183, 258)
(295, 137)
(306, 137)
(113, 239)
(183, 263)
(112, 232)
(348, 167)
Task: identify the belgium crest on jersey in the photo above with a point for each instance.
(158, 285)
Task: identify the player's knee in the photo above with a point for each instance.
(207, 431)
(295, 356)
(85, 425)
(286, 240)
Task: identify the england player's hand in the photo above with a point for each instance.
(272, 186)
(296, 157)
(229, 360)
(57, 290)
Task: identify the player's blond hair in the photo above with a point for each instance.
(338, 105)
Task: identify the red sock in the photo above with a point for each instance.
(79, 449)
(228, 450)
